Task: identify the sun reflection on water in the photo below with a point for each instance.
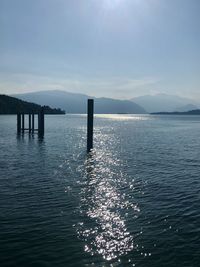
(104, 207)
(123, 117)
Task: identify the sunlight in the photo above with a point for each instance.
(123, 117)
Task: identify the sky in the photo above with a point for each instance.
(104, 48)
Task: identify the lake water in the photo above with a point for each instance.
(133, 201)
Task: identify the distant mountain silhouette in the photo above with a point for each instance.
(187, 108)
(12, 105)
(77, 103)
(190, 112)
(164, 102)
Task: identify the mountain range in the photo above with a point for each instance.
(165, 103)
(77, 103)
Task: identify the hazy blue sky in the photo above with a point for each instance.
(114, 48)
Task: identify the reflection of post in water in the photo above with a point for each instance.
(89, 165)
(21, 121)
(40, 139)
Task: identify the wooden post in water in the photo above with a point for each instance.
(41, 122)
(33, 123)
(22, 122)
(90, 119)
(29, 123)
(18, 123)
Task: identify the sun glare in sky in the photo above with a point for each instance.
(111, 48)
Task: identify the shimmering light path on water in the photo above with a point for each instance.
(133, 201)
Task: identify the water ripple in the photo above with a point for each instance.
(103, 206)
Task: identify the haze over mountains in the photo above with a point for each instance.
(165, 103)
(77, 103)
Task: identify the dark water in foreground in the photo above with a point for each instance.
(135, 201)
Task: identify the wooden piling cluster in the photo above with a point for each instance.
(31, 123)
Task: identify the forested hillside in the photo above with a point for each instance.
(12, 105)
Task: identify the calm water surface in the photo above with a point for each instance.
(133, 201)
